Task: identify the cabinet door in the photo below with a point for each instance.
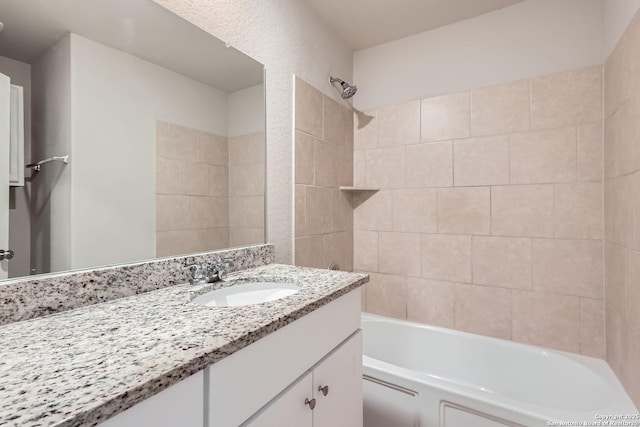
(341, 373)
(288, 409)
(181, 405)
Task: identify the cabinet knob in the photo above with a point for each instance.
(324, 390)
(6, 254)
(311, 403)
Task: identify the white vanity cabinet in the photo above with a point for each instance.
(330, 395)
(325, 344)
(182, 405)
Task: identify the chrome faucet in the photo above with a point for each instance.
(207, 273)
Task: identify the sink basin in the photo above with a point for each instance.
(247, 294)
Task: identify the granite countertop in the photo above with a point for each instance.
(81, 367)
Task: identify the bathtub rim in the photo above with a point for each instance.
(599, 366)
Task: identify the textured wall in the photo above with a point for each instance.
(532, 38)
(323, 163)
(622, 208)
(489, 217)
(288, 39)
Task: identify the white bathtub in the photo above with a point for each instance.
(419, 375)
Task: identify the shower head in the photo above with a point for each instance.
(347, 90)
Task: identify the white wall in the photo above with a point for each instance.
(19, 213)
(288, 39)
(51, 188)
(116, 100)
(246, 111)
(618, 14)
(531, 38)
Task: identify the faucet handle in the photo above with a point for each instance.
(221, 266)
(198, 272)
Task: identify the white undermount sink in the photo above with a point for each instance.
(247, 294)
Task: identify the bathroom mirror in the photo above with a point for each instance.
(149, 131)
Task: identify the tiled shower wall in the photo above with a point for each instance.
(323, 163)
(246, 189)
(192, 191)
(489, 214)
(622, 208)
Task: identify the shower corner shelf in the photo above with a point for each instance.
(356, 189)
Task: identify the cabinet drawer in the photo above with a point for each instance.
(244, 382)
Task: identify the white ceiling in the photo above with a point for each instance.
(139, 27)
(366, 23)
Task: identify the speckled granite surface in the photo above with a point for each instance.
(81, 367)
(36, 296)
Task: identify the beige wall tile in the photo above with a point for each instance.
(399, 253)
(213, 149)
(615, 337)
(247, 211)
(399, 124)
(632, 288)
(169, 176)
(387, 295)
(631, 370)
(247, 149)
(566, 99)
(384, 167)
(590, 152)
(464, 210)
(431, 302)
(309, 251)
(544, 156)
(522, 210)
(622, 67)
(483, 310)
(365, 247)
(446, 117)
(625, 131)
(335, 125)
(446, 257)
(500, 109)
(373, 211)
(481, 161)
(301, 211)
(615, 262)
(415, 210)
(177, 142)
(305, 158)
(218, 181)
(338, 248)
(212, 239)
(592, 328)
(429, 165)
(570, 267)
(318, 210)
(347, 111)
(610, 152)
(172, 212)
(308, 105)
(208, 212)
(247, 180)
(547, 320)
(502, 261)
(365, 129)
(578, 210)
(345, 166)
(341, 211)
(618, 211)
(359, 168)
(326, 164)
(177, 242)
(244, 236)
(195, 179)
(635, 189)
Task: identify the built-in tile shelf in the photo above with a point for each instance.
(356, 189)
